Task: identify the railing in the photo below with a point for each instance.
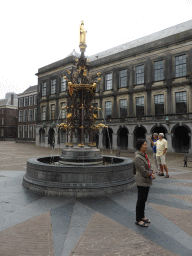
(171, 117)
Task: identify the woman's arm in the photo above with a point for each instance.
(140, 166)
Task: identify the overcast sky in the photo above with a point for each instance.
(35, 33)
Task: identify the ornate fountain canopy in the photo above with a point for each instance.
(81, 114)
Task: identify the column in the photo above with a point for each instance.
(190, 143)
(100, 140)
(148, 135)
(169, 141)
(56, 140)
(130, 141)
(114, 141)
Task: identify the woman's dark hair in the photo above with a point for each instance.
(139, 143)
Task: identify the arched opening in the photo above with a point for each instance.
(51, 137)
(41, 135)
(107, 137)
(139, 133)
(122, 137)
(181, 139)
(96, 139)
(159, 129)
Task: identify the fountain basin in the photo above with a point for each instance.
(47, 178)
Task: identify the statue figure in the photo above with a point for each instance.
(82, 33)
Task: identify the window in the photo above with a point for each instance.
(35, 114)
(123, 78)
(108, 109)
(2, 132)
(53, 86)
(26, 101)
(159, 70)
(30, 132)
(63, 85)
(42, 135)
(140, 106)
(3, 121)
(21, 102)
(31, 101)
(35, 99)
(108, 82)
(139, 74)
(44, 88)
(30, 114)
(52, 114)
(123, 108)
(43, 113)
(180, 66)
(63, 110)
(20, 116)
(25, 132)
(20, 133)
(159, 104)
(25, 116)
(181, 102)
(97, 87)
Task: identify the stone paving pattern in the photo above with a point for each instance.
(32, 224)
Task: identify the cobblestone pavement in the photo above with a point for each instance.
(32, 224)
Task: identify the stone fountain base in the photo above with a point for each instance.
(114, 176)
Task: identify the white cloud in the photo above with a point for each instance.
(39, 32)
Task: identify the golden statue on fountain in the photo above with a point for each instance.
(82, 38)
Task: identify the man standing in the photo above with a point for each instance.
(161, 147)
(155, 138)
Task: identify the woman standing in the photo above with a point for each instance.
(143, 178)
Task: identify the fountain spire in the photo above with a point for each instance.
(81, 115)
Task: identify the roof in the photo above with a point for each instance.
(144, 40)
(74, 53)
(31, 89)
(4, 102)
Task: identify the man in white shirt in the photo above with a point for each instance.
(161, 145)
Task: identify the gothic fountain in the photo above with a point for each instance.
(81, 170)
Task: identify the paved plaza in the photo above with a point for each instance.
(32, 224)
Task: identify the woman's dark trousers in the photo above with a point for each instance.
(141, 199)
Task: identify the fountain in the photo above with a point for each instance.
(80, 171)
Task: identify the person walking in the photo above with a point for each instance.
(155, 138)
(143, 180)
(161, 146)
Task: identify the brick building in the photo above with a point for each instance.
(145, 87)
(27, 114)
(8, 117)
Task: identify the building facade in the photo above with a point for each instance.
(145, 87)
(27, 114)
(8, 117)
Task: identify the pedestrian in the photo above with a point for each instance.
(143, 179)
(155, 138)
(161, 146)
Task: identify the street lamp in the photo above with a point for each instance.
(167, 121)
